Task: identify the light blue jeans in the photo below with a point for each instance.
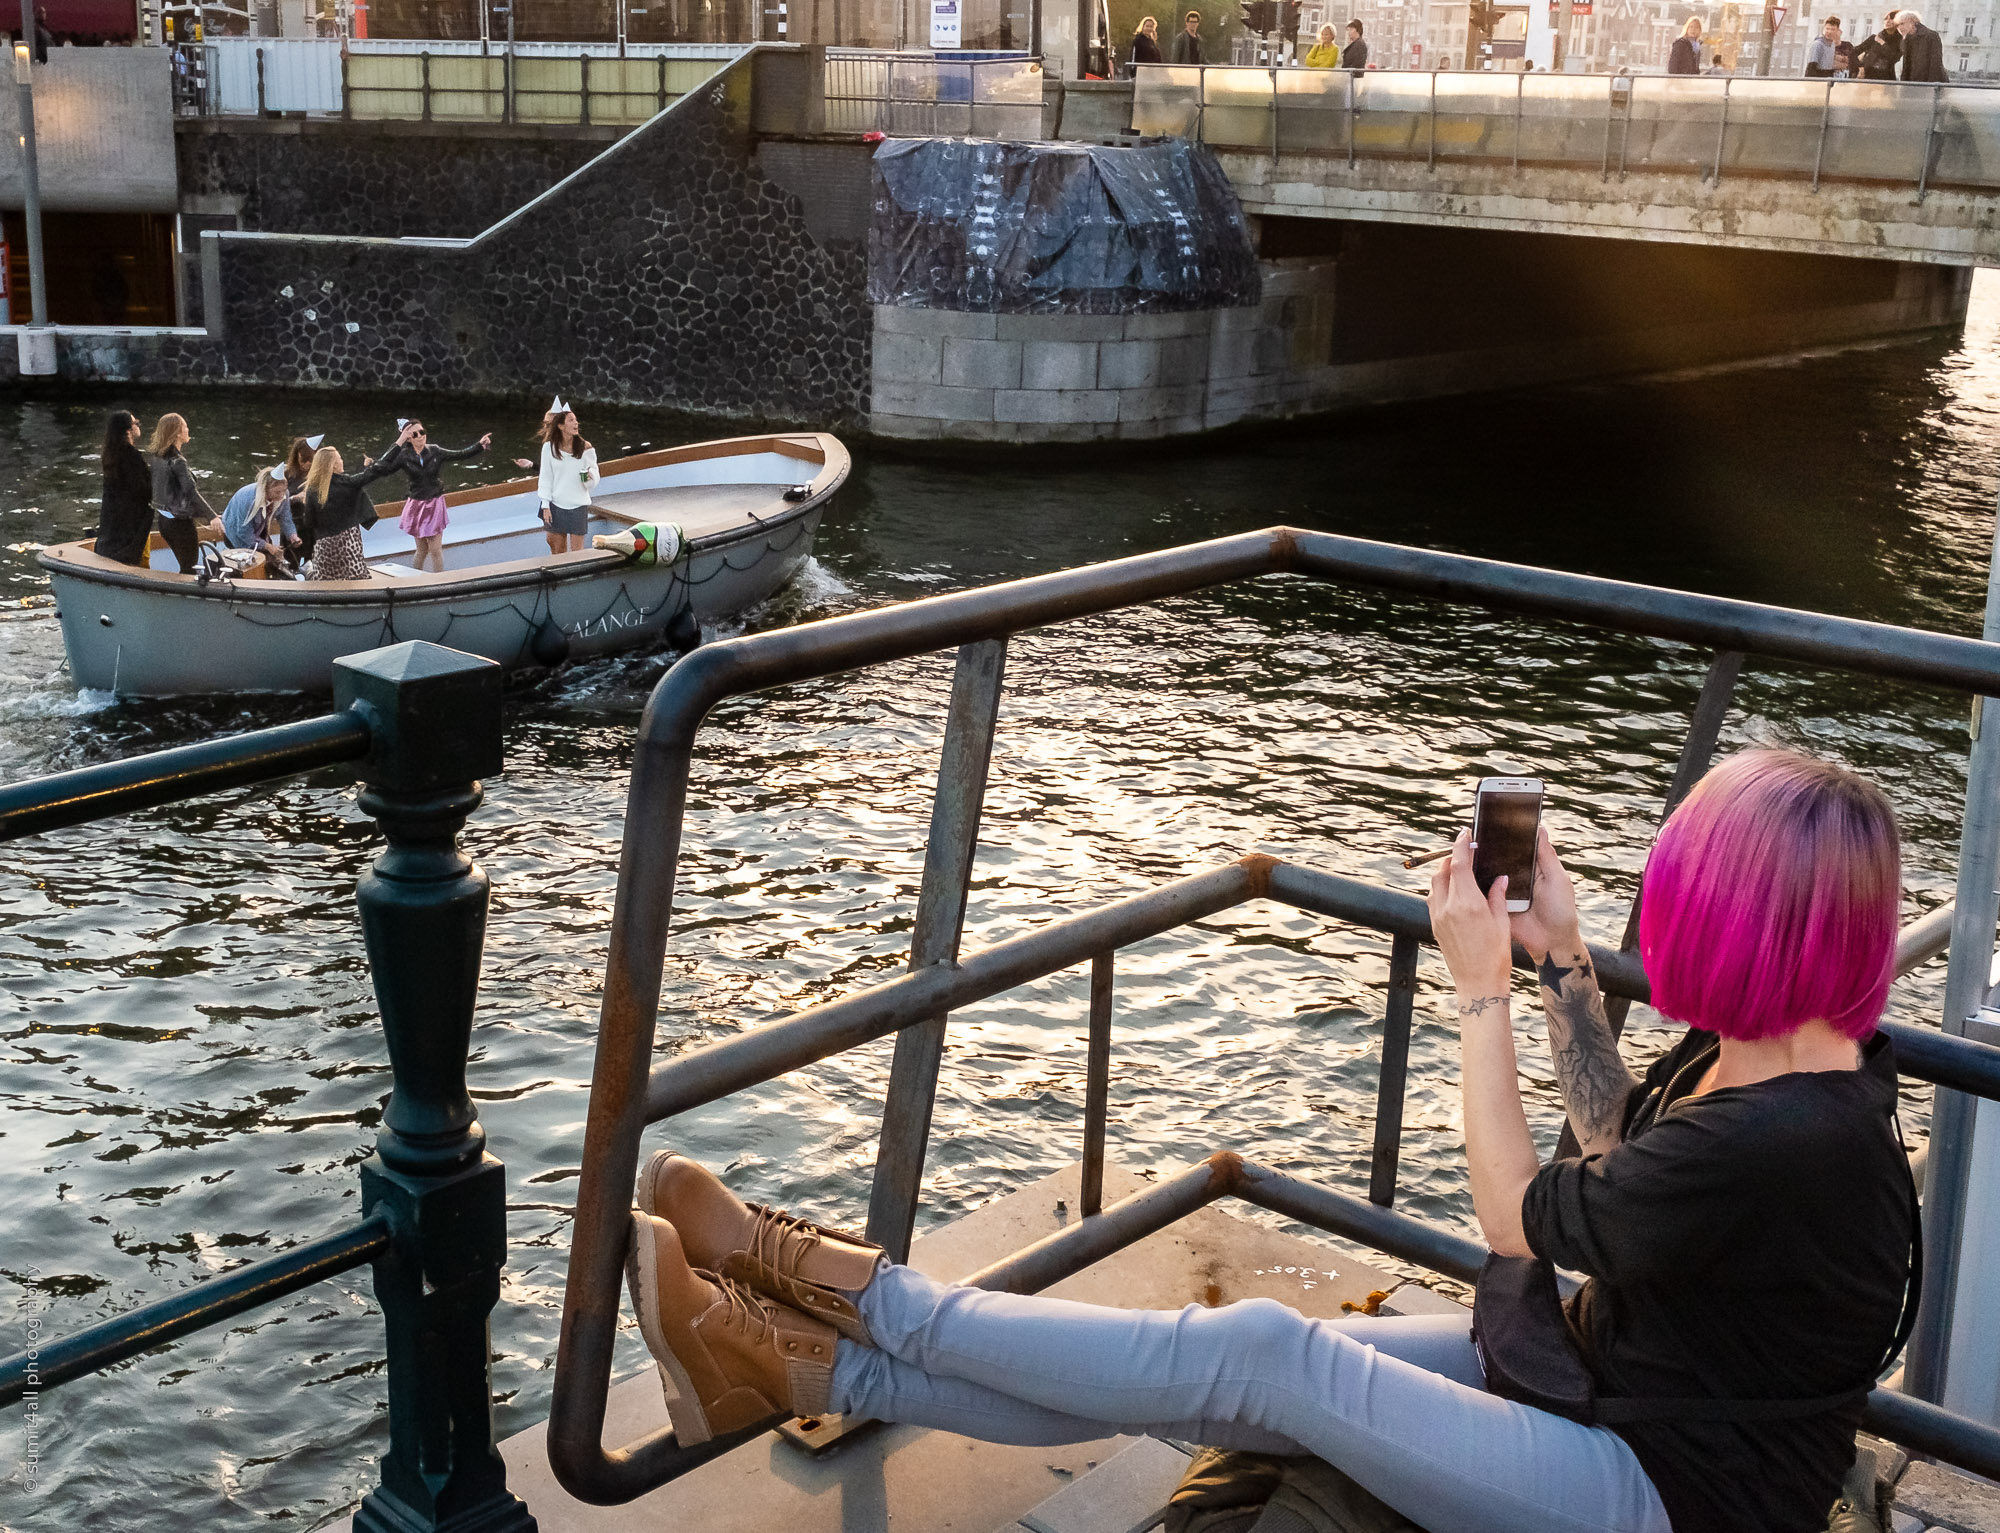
(1397, 1403)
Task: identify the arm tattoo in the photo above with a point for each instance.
(1478, 1006)
(1595, 1083)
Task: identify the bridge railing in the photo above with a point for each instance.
(1849, 130)
(908, 95)
(421, 724)
(462, 82)
(632, 1089)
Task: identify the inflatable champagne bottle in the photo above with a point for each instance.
(643, 544)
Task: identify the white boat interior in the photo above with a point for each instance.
(704, 496)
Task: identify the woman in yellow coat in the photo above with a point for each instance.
(1324, 54)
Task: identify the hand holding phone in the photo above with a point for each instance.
(1506, 817)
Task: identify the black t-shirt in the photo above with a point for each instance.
(1751, 1244)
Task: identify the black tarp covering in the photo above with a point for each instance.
(1043, 228)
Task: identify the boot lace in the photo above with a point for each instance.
(781, 1241)
(748, 1310)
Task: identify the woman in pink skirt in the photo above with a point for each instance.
(424, 516)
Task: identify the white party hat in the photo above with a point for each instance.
(560, 407)
(278, 473)
(314, 441)
(402, 421)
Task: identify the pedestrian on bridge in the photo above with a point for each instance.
(1684, 58)
(1878, 56)
(1923, 50)
(1324, 54)
(1822, 53)
(1355, 54)
(1145, 44)
(1187, 46)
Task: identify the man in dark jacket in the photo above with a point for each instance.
(1684, 58)
(1923, 50)
(1355, 54)
(1187, 45)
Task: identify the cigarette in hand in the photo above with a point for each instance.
(1417, 862)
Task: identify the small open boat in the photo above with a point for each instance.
(745, 509)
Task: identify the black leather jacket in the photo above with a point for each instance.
(426, 468)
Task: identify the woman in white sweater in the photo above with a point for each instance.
(569, 474)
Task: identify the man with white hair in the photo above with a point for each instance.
(1923, 49)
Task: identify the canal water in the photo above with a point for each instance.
(190, 1070)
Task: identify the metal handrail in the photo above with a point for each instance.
(423, 724)
(190, 771)
(1721, 101)
(207, 1303)
(626, 1095)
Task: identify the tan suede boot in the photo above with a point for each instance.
(728, 1358)
(803, 1265)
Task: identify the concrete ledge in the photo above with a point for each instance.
(889, 319)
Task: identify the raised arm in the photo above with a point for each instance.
(1596, 1085)
(455, 453)
(1472, 932)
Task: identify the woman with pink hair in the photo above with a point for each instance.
(1742, 1212)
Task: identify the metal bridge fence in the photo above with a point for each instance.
(421, 724)
(577, 84)
(628, 1094)
(1849, 130)
(906, 95)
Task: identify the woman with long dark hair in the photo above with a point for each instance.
(1743, 1214)
(125, 515)
(175, 493)
(568, 475)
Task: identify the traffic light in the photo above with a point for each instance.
(1289, 12)
(1259, 16)
(1484, 17)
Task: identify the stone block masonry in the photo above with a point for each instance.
(938, 375)
(668, 271)
(1371, 314)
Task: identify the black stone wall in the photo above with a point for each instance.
(674, 273)
(386, 178)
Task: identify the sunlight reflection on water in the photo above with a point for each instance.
(192, 1070)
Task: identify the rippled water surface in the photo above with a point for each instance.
(190, 1067)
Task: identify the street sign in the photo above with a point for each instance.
(945, 23)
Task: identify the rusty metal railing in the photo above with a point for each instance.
(628, 1095)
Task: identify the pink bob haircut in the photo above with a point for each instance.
(1771, 900)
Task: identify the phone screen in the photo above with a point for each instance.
(1503, 835)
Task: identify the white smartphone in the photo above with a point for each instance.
(1506, 813)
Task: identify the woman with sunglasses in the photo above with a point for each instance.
(425, 515)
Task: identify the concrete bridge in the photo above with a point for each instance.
(1825, 167)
